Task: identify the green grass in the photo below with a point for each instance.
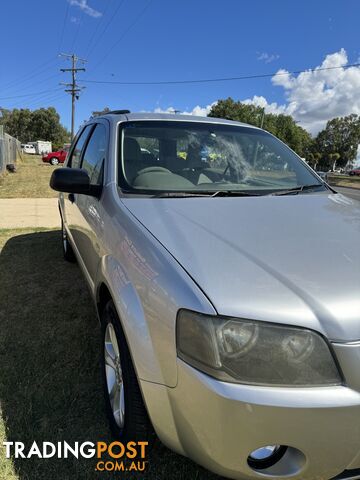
(50, 387)
(30, 180)
(344, 180)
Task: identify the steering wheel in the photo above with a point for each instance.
(152, 169)
(234, 174)
(225, 171)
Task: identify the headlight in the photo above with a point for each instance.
(258, 353)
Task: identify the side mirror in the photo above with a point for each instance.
(73, 180)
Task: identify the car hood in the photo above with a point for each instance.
(287, 259)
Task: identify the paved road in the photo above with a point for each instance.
(29, 212)
(349, 192)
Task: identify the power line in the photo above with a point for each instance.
(224, 79)
(63, 26)
(37, 83)
(40, 97)
(81, 18)
(33, 103)
(22, 101)
(74, 89)
(141, 13)
(91, 47)
(107, 26)
(30, 75)
(46, 100)
(30, 94)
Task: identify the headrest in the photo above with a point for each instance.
(132, 149)
(132, 158)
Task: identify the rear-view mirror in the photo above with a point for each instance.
(73, 180)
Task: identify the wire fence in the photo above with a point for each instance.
(10, 150)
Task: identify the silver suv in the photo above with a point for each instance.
(226, 276)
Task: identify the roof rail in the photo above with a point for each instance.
(117, 112)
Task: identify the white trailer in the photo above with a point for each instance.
(28, 148)
(42, 147)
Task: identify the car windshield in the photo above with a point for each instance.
(172, 156)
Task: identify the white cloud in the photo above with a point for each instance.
(267, 57)
(166, 110)
(315, 96)
(198, 110)
(261, 101)
(312, 97)
(204, 111)
(82, 4)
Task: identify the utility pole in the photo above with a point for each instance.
(74, 89)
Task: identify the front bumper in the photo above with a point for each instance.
(218, 424)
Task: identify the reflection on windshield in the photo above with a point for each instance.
(177, 156)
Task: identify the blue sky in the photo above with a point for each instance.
(142, 40)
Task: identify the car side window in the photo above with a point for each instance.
(74, 160)
(94, 154)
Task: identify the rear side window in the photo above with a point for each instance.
(74, 160)
(94, 155)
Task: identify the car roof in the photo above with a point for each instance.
(115, 117)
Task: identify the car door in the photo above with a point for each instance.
(62, 157)
(74, 203)
(93, 161)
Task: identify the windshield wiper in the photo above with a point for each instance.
(235, 193)
(207, 193)
(181, 195)
(296, 190)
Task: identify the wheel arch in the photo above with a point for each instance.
(102, 298)
(113, 285)
(147, 293)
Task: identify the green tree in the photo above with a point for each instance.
(240, 112)
(282, 126)
(313, 159)
(17, 123)
(286, 129)
(46, 126)
(339, 140)
(41, 124)
(334, 157)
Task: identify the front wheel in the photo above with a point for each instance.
(125, 408)
(54, 161)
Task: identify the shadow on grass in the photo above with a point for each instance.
(50, 388)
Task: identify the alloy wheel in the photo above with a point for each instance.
(114, 376)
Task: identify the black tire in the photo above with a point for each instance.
(54, 161)
(137, 425)
(67, 249)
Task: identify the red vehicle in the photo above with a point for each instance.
(355, 171)
(54, 158)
